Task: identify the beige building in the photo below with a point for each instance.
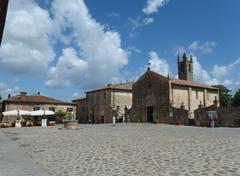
(35, 102)
(100, 105)
(160, 99)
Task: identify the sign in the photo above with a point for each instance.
(44, 122)
(212, 114)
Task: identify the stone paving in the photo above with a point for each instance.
(14, 161)
(132, 149)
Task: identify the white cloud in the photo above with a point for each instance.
(221, 71)
(157, 64)
(100, 49)
(68, 70)
(135, 24)
(147, 21)
(139, 22)
(26, 46)
(204, 48)
(114, 14)
(133, 49)
(180, 50)
(226, 75)
(153, 6)
(5, 90)
(76, 95)
(202, 75)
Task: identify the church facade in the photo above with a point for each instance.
(163, 99)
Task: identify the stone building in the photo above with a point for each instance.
(35, 102)
(160, 99)
(223, 116)
(81, 110)
(100, 105)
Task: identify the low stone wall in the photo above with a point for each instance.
(71, 124)
(226, 116)
(180, 116)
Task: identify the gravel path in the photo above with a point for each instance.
(132, 149)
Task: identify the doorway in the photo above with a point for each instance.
(150, 114)
(92, 118)
(102, 119)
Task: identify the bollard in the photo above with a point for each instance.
(114, 120)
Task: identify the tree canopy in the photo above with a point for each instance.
(236, 99)
(60, 113)
(225, 98)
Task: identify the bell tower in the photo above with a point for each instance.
(185, 68)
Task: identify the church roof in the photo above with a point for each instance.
(191, 83)
(120, 86)
(183, 82)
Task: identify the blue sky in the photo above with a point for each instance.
(65, 48)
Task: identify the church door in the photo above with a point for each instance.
(102, 119)
(150, 114)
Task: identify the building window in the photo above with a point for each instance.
(36, 108)
(52, 109)
(104, 95)
(83, 109)
(87, 97)
(92, 97)
(69, 109)
(149, 85)
(182, 67)
(196, 94)
(97, 96)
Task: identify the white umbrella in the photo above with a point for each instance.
(42, 113)
(16, 112)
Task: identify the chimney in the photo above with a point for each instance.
(23, 94)
(38, 93)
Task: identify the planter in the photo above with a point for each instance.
(71, 124)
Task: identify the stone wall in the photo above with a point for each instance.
(226, 116)
(151, 90)
(179, 116)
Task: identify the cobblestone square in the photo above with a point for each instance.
(131, 149)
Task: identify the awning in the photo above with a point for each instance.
(42, 113)
(16, 112)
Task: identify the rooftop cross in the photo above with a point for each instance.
(149, 64)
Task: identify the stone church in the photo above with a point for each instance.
(162, 99)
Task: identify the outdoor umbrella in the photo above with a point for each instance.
(16, 112)
(42, 113)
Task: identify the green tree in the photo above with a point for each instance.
(60, 113)
(224, 95)
(236, 99)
